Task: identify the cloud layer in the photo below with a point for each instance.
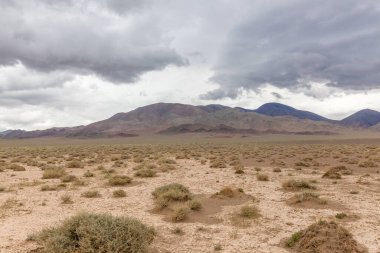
(72, 62)
(84, 37)
(333, 42)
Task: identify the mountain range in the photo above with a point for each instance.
(174, 118)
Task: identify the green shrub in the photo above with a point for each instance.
(103, 233)
(294, 239)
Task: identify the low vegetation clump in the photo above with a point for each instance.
(16, 167)
(324, 237)
(340, 216)
(119, 194)
(68, 178)
(307, 197)
(172, 192)
(262, 177)
(297, 185)
(53, 173)
(244, 215)
(90, 233)
(179, 214)
(66, 199)
(337, 172)
(145, 173)
(91, 194)
(249, 212)
(75, 164)
(119, 180)
(226, 192)
(88, 174)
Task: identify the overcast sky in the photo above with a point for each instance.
(73, 62)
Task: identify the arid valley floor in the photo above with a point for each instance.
(245, 194)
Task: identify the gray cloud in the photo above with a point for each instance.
(81, 38)
(335, 42)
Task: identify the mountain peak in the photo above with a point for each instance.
(363, 118)
(277, 109)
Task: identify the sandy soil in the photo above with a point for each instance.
(25, 209)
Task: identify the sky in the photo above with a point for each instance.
(73, 62)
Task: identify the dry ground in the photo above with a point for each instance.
(205, 168)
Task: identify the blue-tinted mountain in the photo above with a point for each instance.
(364, 119)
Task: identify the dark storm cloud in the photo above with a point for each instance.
(336, 42)
(80, 37)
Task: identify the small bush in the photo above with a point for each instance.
(16, 167)
(119, 194)
(145, 173)
(119, 180)
(91, 194)
(195, 205)
(75, 164)
(295, 185)
(179, 214)
(53, 173)
(293, 239)
(249, 212)
(262, 177)
(66, 199)
(89, 233)
(68, 178)
(226, 192)
(88, 174)
(340, 216)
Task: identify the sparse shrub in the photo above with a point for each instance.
(68, 178)
(119, 180)
(217, 247)
(179, 214)
(340, 216)
(49, 188)
(177, 231)
(16, 167)
(277, 170)
(171, 192)
(297, 184)
(75, 164)
(226, 192)
(53, 173)
(91, 194)
(90, 233)
(66, 199)
(262, 177)
(88, 174)
(249, 212)
(293, 239)
(145, 173)
(119, 194)
(194, 205)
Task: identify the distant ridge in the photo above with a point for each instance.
(277, 109)
(364, 118)
(176, 118)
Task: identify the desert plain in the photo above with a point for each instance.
(240, 193)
